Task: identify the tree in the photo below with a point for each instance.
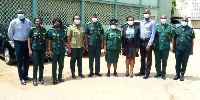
(173, 6)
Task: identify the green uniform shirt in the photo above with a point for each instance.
(57, 40)
(113, 39)
(38, 38)
(163, 37)
(77, 35)
(94, 34)
(183, 38)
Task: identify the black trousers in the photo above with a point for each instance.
(145, 64)
(23, 59)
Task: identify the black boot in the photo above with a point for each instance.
(182, 78)
(176, 77)
(108, 74)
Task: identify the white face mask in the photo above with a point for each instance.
(77, 21)
(146, 15)
(184, 23)
(113, 26)
(94, 20)
(130, 22)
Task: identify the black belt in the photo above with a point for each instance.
(21, 41)
(145, 39)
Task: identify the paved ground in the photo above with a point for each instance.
(101, 88)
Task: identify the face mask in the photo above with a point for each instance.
(184, 23)
(163, 21)
(57, 26)
(20, 16)
(94, 19)
(130, 22)
(113, 26)
(37, 24)
(146, 15)
(77, 21)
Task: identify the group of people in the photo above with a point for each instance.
(37, 41)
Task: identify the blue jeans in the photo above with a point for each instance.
(22, 57)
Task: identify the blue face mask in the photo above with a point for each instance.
(163, 21)
(20, 16)
(184, 23)
(146, 15)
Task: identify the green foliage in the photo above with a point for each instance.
(173, 6)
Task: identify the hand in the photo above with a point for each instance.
(122, 50)
(105, 52)
(30, 53)
(69, 50)
(50, 54)
(137, 50)
(102, 46)
(191, 53)
(86, 47)
(147, 48)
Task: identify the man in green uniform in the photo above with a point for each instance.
(162, 46)
(94, 43)
(37, 47)
(183, 47)
(56, 36)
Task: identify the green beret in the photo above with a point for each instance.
(113, 21)
(94, 14)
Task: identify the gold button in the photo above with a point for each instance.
(39, 33)
(39, 43)
(181, 40)
(58, 41)
(58, 45)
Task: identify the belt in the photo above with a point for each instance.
(145, 39)
(21, 41)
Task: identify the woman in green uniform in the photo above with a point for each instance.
(37, 46)
(75, 35)
(56, 47)
(112, 46)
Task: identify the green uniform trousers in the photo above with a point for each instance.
(38, 60)
(94, 52)
(60, 59)
(76, 54)
(161, 55)
(182, 57)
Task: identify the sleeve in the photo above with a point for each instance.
(86, 29)
(30, 33)
(122, 39)
(173, 32)
(138, 38)
(69, 32)
(46, 33)
(193, 34)
(105, 35)
(11, 31)
(49, 34)
(102, 30)
(153, 33)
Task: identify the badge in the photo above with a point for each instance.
(90, 31)
(35, 37)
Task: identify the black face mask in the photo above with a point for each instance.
(57, 26)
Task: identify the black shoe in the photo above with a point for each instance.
(131, 76)
(81, 75)
(73, 76)
(23, 82)
(42, 81)
(126, 75)
(28, 79)
(55, 82)
(176, 77)
(115, 74)
(108, 74)
(182, 78)
(98, 74)
(91, 74)
(163, 77)
(139, 74)
(146, 76)
(35, 83)
(61, 80)
(157, 75)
